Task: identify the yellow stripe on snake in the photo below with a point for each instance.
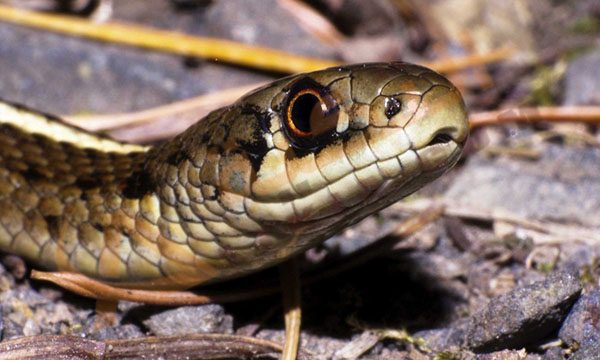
(282, 169)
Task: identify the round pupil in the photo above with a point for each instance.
(303, 110)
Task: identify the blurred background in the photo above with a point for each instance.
(68, 75)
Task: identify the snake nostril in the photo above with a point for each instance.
(440, 138)
(392, 107)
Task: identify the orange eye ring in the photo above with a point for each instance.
(298, 117)
(309, 116)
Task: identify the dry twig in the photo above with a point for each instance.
(168, 41)
(200, 346)
(587, 114)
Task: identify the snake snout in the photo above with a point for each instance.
(440, 128)
(441, 118)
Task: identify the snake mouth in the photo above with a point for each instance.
(444, 148)
(428, 163)
(440, 138)
(442, 152)
(431, 161)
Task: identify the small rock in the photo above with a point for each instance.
(365, 18)
(554, 353)
(513, 320)
(395, 354)
(54, 314)
(447, 339)
(580, 256)
(15, 265)
(582, 326)
(524, 315)
(127, 331)
(555, 188)
(11, 329)
(31, 328)
(108, 78)
(439, 266)
(505, 355)
(357, 346)
(191, 320)
(582, 84)
(588, 352)
(322, 347)
(244, 21)
(495, 22)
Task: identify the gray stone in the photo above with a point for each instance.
(68, 75)
(366, 18)
(191, 320)
(554, 353)
(588, 352)
(582, 326)
(126, 331)
(582, 80)
(557, 187)
(446, 339)
(508, 355)
(524, 315)
(244, 21)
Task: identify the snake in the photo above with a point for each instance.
(278, 171)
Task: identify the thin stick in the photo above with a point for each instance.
(170, 41)
(460, 63)
(565, 232)
(199, 105)
(313, 22)
(106, 314)
(290, 285)
(209, 48)
(85, 286)
(588, 114)
(197, 346)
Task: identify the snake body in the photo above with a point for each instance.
(280, 170)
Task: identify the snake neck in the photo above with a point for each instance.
(75, 201)
(126, 214)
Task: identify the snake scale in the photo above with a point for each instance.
(280, 170)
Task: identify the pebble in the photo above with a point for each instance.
(520, 317)
(582, 84)
(581, 329)
(191, 320)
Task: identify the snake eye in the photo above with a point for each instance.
(308, 114)
(392, 107)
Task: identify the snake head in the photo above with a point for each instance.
(344, 142)
(296, 161)
(299, 159)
